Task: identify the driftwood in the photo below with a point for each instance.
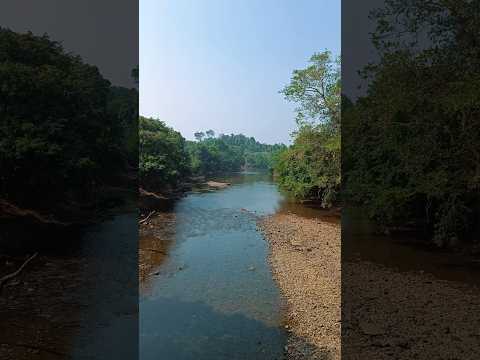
(8, 277)
(144, 192)
(152, 201)
(143, 221)
(9, 210)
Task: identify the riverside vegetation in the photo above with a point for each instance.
(66, 134)
(309, 169)
(410, 145)
(410, 154)
(167, 160)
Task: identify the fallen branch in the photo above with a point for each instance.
(154, 250)
(12, 275)
(148, 217)
(8, 210)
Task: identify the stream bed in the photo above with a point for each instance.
(213, 296)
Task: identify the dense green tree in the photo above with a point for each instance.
(164, 160)
(229, 153)
(61, 135)
(310, 168)
(411, 153)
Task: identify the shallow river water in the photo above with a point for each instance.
(214, 297)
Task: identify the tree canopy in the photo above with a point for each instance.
(411, 144)
(310, 168)
(63, 127)
(164, 161)
(230, 153)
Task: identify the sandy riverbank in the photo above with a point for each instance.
(389, 314)
(305, 259)
(386, 314)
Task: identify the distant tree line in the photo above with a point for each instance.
(167, 159)
(226, 153)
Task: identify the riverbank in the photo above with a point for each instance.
(156, 236)
(305, 260)
(162, 199)
(386, 313)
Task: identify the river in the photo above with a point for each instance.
(207, 292)
(214, 297)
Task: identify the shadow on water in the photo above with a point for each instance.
(202, 333)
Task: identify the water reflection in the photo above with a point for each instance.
(404, 252)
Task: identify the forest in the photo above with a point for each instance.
(406, 151)
(410, 155)
(66, 133)
(411, 144)
(310, 167)
(167, 159)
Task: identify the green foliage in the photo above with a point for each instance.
(61, 135)
(411, 144)
(123, 104)
(229, 153)
(310, 168)
(164, 161)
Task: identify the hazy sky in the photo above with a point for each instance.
(219, 64)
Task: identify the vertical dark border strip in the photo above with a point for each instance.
(78, 298)
(403, 297)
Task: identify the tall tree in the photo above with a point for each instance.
(199, 135)
(316, 90)
(310, 168)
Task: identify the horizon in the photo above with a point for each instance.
(224, 68)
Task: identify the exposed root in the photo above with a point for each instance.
(8, 277)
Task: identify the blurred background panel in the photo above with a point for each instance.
(68, 183)
(410, 134)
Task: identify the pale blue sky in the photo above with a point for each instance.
(219, 64)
